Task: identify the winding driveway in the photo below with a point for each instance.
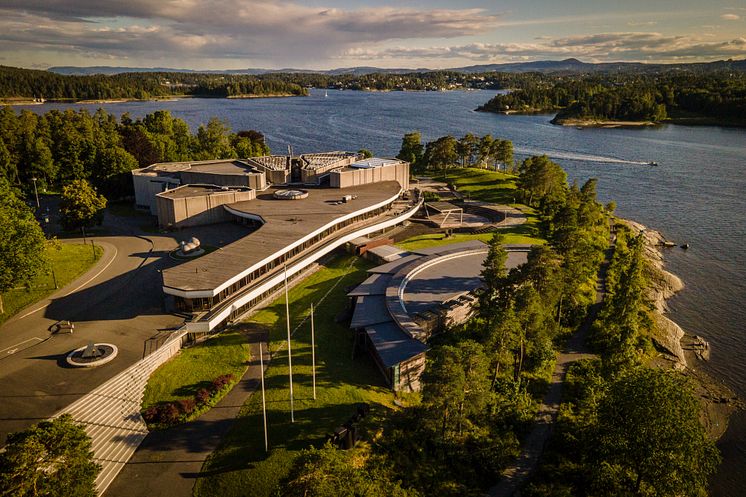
(117, 301)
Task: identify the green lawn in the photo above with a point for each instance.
(241, 467)
(68, 261)
(481, 184)
(195, 367)
(487, 186)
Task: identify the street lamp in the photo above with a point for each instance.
(36, 193)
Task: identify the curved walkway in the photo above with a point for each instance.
(111, 413)
(168, 462)
(516, 475)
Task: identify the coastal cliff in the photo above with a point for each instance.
(678, 349)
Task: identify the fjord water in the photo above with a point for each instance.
(697, 195)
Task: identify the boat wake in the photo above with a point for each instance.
(554, 154)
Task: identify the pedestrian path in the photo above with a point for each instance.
(168, 462)
(111, 412)
(516, 475)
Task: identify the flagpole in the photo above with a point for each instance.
(313, 355)
(264, 402)
(290, 358)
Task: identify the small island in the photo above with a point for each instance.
(616, 100)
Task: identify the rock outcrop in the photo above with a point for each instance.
(680, 350)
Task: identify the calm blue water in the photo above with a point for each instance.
(697, 195)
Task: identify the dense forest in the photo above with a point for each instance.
(26, 83)
(483, 381)
(16, 83)
(718, 96)
(59, 147)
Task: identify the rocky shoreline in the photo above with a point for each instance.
(600, 123)
(678, 349)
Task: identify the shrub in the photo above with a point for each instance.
(151, 414)
(187, 406)
(221, 382)
(202, 396)
(168, 413)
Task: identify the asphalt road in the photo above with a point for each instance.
(117, 301)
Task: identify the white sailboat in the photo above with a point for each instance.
(326, 93)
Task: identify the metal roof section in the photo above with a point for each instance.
(375, 284)
(369, 310)
(451, 247)
(392, 345)
(373, 162)
(392, 267)
(389, 253)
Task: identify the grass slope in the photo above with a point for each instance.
(241, 467)
(195, 367)
(487, 186)
(68, 261)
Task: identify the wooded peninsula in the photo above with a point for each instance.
(717, 98)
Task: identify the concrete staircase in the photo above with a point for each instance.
(111, 412)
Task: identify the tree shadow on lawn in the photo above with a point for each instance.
(187, 390)
(243, 445)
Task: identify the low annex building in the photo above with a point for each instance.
(297, 208)
(421, 292)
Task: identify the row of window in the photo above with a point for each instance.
(208, 303)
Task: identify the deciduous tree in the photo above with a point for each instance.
(81, 206)
(50, 459)
(650, 440)
(21, 241)
(411, 149)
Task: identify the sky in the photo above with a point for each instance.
(325, 34)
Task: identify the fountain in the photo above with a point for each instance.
(92, 355)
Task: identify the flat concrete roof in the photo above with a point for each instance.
(373, 162)
(228, 166)
(286, 221)
(187, 191)
(449, 278)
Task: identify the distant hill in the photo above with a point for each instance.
(111, 70)
(568, 66)
(577, 66)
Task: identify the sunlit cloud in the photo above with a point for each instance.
(223, 29)
(630, 46)
(268, 33)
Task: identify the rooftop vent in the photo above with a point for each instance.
(290, 194)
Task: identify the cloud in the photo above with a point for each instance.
(730, 17)
(641, 23)
(221, 29)
(243, 33)
(629, 46)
